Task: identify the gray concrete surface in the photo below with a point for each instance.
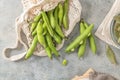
(41, 68)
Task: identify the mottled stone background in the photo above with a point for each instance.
(41, 68)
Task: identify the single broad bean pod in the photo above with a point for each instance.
(51, 45)
(92, 44)
(60, 13)
(65, 17)
(57, 38)
(42, 39)
(59, 31)
(110, 55)
(34, 32)
(48, 51)
(45, 28)
(51, 18)
(58, 28)
(35, 22)
(82, 29)
(82, 47)
(32, 48)
(91, 40)
(56, 13)
(46, 20)
(79, 38)
(40, 36)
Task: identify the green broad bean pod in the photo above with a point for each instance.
(34, 32)
(91, 41)
(37, 17)
(60, 13)
(110, 55)
(46, 20)
(32, 48)
(58, 28)
(59, 31)
(56, 14)
(57, 38)
(48, 51)
(65, 17)
(82, 47)
(82, 29)
(51, 18)
(79, 38)
(40, 36)
(92, 44)
(86, 25)
(33, 26)
(45, 28)
(35, 22)
(51, 45)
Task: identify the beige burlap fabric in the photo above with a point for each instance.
(30, 9)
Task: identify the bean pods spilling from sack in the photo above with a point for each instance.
(80, 41)
(46, 29)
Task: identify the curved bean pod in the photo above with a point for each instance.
(91, 40)
(110, 55)
(57, 38)
(51, 18)
(65, 17)
(51, 45)
(45, 29)
(92, 44)
(35, 22)
(40, 36)
(59, 31)
(56, 14)
(48, 51)
(32, 48)
(46, 20)
(82, 47)
(60, 13)
(34, 32)
(58, 28)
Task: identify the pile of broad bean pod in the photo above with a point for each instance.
(46, 29)
(80, 41)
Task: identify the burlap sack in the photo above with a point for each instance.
(32, 8)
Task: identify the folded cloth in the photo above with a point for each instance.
(103, 32)
(93, 75)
